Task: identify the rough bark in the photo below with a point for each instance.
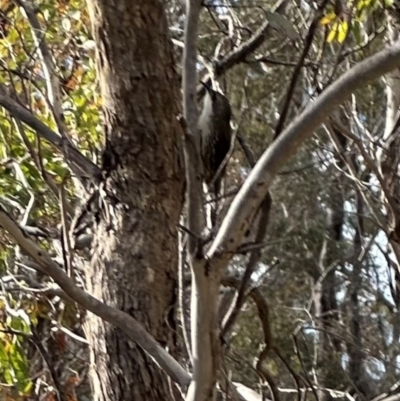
(135, 257)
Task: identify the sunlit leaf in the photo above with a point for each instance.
(343, 29)
(328, 18)
(333, 33)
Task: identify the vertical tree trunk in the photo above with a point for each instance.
(389, 164)
(135, 258)
(357, 369)
(326, 288)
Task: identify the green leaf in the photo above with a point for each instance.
(357, 31)
(20, 367)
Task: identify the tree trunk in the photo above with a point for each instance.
(326, 305)
(135, 257)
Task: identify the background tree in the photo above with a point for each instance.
(94, 202)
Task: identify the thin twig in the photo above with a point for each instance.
(299, 66)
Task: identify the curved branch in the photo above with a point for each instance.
(130, 326)
(246, 203)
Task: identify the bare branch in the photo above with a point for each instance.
(247, 202)
(37, 159)
(195, 214)
(246, 150)
(239, 55)
(54, 95)
(205, 286)
(296, 73)
(263, 313)
(37, 342)
(130, 326)
(67, 252)
(88, 169)
(255, 256)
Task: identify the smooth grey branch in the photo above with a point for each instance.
(246, 203)
(204, 288)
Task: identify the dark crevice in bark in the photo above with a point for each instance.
(135, 258)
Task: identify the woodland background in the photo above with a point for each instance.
(320, 315)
